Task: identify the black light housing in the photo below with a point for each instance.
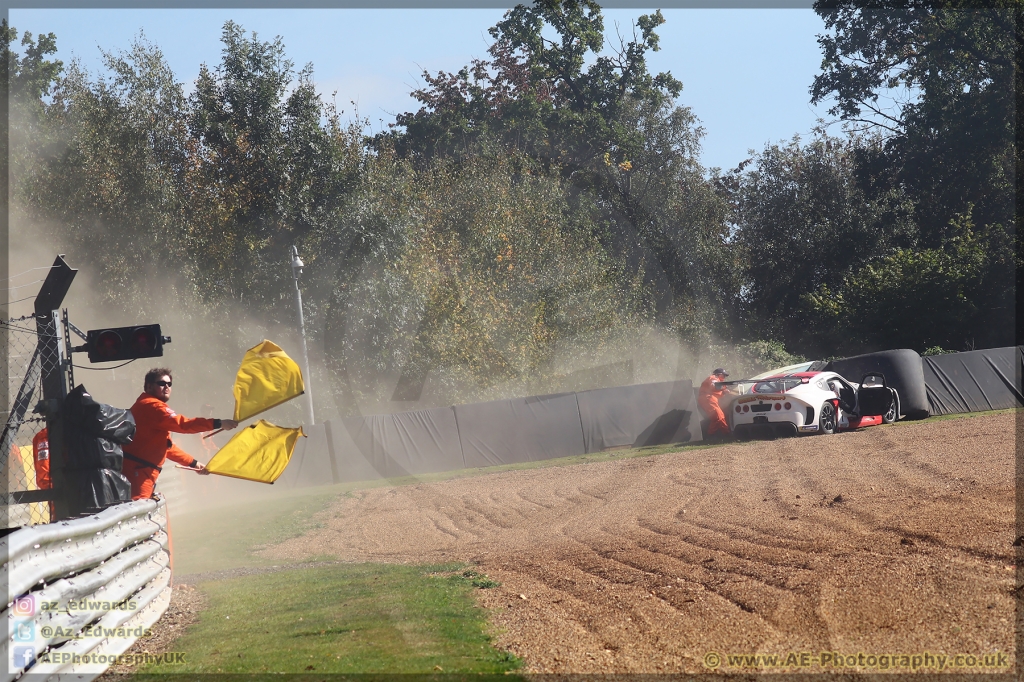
(125, 343)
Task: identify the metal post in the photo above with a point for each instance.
(297, 266)
(55, 361)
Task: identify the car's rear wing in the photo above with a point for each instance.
(790, 379)
(782, 384)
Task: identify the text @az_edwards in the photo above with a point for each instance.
(97, 630)
(835, 659)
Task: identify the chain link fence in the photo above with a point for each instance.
(24, 453)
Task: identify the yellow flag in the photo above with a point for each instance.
(256, 453)
(267, 378)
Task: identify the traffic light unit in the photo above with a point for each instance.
(125, 343)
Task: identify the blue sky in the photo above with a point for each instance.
(745, 72)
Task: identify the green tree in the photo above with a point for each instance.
(952, 136)
(914, 298)
(612, 130)
(490, 278)
(28, 78)
(536, 95)
(803, 223)
(105, 177)
(273, 168)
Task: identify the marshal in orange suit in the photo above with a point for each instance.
(707, 399)
(154, 421)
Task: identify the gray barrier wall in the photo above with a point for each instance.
(492, 433)
(976, 380)
(406, 443)
(646, 414)
(520, 430)
(310, 463)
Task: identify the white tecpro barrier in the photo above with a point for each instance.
(79, 593)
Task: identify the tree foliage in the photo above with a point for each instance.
(543, 209)
(535, 94)
(105, 175)
(803, 223)
(915, 298)
(273, 167)
(612, 130)
(494, 278)
(951, 145)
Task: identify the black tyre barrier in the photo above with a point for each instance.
(902, 370)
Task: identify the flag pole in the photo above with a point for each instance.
(297, 266)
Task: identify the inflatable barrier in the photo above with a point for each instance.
(902, 370)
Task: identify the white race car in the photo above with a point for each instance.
(794, 402)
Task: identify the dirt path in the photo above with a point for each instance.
(893, 540)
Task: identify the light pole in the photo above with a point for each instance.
(297, 266)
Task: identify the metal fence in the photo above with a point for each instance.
(81, 592)
(27, 362)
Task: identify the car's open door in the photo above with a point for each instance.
(874, 397)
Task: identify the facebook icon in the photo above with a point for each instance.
(24, 656)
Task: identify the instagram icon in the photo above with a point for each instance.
(25, 606)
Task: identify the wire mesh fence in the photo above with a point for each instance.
(24, 451)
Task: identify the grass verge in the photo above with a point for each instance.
(958, 415)
(220, 539)
(364, 619)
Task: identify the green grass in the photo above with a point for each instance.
(961, 415)
(349, 618)
(219, 539)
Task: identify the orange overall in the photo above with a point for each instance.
(707, 400)
(144, 456)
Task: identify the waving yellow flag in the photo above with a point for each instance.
(267, 378)
(256, 453)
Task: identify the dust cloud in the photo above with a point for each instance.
(205, 352)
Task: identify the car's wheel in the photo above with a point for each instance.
(893, 413)
(827, 419)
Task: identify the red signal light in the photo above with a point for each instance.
(746, 408)
(738, 409)
(143, 340)
(108, 346)
(788, 406)
(778, 406)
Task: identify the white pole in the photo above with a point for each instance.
(296, 271)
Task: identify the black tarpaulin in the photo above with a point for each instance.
(973, 381)
(644, 414)
(520, 430)
(407, 443)
(352, 463)
(370, 447)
